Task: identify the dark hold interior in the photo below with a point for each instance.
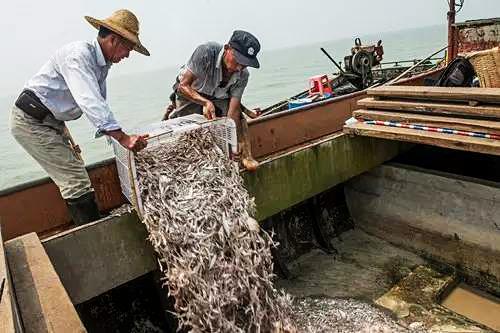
(468, 164)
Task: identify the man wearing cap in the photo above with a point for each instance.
(212, 83)
(72, 83)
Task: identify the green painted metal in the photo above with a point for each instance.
(97, 257)
(296, 176)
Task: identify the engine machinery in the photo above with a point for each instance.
(358, 65)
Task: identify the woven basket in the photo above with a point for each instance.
(487, 66)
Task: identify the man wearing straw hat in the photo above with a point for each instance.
(72, 83)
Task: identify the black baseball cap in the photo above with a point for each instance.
(245, 46)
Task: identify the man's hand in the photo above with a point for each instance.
(209, 110)
(251, 113)
(134, 143)
(186, 90)
(168, 111)
(255, 113)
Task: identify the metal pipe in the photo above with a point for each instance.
(331, 59)
(412, 67)
(404, 61)
(451, 31)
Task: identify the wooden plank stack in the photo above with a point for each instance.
(8, 318)
(458, 118)
(44, 305)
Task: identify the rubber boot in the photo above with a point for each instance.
(248, 162)
(83, 209)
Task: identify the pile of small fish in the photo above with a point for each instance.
(216, 261)
(334, 315)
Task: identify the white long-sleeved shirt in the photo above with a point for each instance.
(73, 82)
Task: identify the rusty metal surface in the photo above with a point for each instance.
(478, 35)
(286, 129)
(419, 80)
(452, 37)
(40, 208)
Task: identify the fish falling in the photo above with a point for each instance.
(216, 261)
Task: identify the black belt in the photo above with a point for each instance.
(31, 105)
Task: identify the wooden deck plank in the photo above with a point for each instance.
(485, 146)
(7, 314)
(43, 302)
(487, 95)
(492, 127)
(427, 107)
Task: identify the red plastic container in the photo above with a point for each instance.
(320, 85)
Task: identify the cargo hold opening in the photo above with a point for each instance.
(476, 165)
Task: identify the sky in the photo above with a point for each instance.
(33, 30)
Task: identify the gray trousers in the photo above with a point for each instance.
(185, 107)
(46, 142)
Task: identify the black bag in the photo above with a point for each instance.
(30, 104)
(459, 73)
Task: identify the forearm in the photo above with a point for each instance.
(189, 93)
(118, 135)
(250, 113)
(234, 111)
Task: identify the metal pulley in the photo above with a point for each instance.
(362, 62)
(358, 65)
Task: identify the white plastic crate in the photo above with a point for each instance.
(167, 132)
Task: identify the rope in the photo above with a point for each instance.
(433, 129)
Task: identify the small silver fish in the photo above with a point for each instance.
(216, 260)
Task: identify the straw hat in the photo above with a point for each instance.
(124, 23)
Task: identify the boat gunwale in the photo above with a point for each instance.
(44, 180)
(335, 99)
